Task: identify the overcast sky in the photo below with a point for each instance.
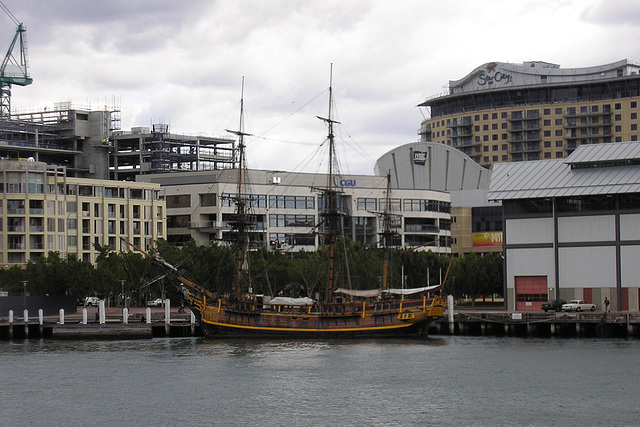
(181, 63)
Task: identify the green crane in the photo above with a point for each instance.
(13, 70)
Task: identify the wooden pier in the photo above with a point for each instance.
(534, 324)
(113, 327)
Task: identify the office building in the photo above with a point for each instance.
(286, 207)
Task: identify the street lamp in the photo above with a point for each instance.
(123, 298)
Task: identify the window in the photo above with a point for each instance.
(183, 201)
(634, 104)
(368, 204)
(208, 200)
(395, 205)
(280, 220)
(547, 144)
(558, 110)
(36, 183)
(558, 143)
(291, 202)
(178, 221)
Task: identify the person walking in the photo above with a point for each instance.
(606, 305)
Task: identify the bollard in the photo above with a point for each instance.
(102, 315)
(10, 324)
(193, 323)
(61, 316)
(148, 315)
(167, 316)
(25, 316)
(84, 316)
(40, 321)
(452, 326)
(125, 315)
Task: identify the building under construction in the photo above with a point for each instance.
(146, 150)
(90, 144)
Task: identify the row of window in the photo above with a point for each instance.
(308, 202)
(573, 204)
(53, 207)
(37, 225)
(535, 113)
(33, 183)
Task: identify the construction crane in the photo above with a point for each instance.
(14, 67)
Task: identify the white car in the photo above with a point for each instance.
(91, 301)
(578, 305)
(157, 302)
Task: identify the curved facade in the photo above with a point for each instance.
(502, 112)
(476, 224)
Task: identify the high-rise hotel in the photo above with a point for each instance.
(502, 112)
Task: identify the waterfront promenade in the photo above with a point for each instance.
(143, 322)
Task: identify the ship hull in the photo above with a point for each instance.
(343, 321)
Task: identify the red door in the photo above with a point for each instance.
(625, 299)
(531, 292)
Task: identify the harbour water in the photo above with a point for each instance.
(450, 380)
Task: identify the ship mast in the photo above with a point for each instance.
(241, 222)
(386, 234)
(330, 195)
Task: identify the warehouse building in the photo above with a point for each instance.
(571, 227)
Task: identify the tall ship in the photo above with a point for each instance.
(341, 313)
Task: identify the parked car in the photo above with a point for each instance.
(578, 305)
(156, 302)
(555, 305)
(91, 301)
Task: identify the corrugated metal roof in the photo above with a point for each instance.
(604, 153)
(556, 178)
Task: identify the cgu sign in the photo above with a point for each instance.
(342, 182)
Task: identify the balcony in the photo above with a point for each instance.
(520, 148)
(514, 139)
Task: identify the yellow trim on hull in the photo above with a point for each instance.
(265, 328)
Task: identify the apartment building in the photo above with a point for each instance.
(42, 209)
